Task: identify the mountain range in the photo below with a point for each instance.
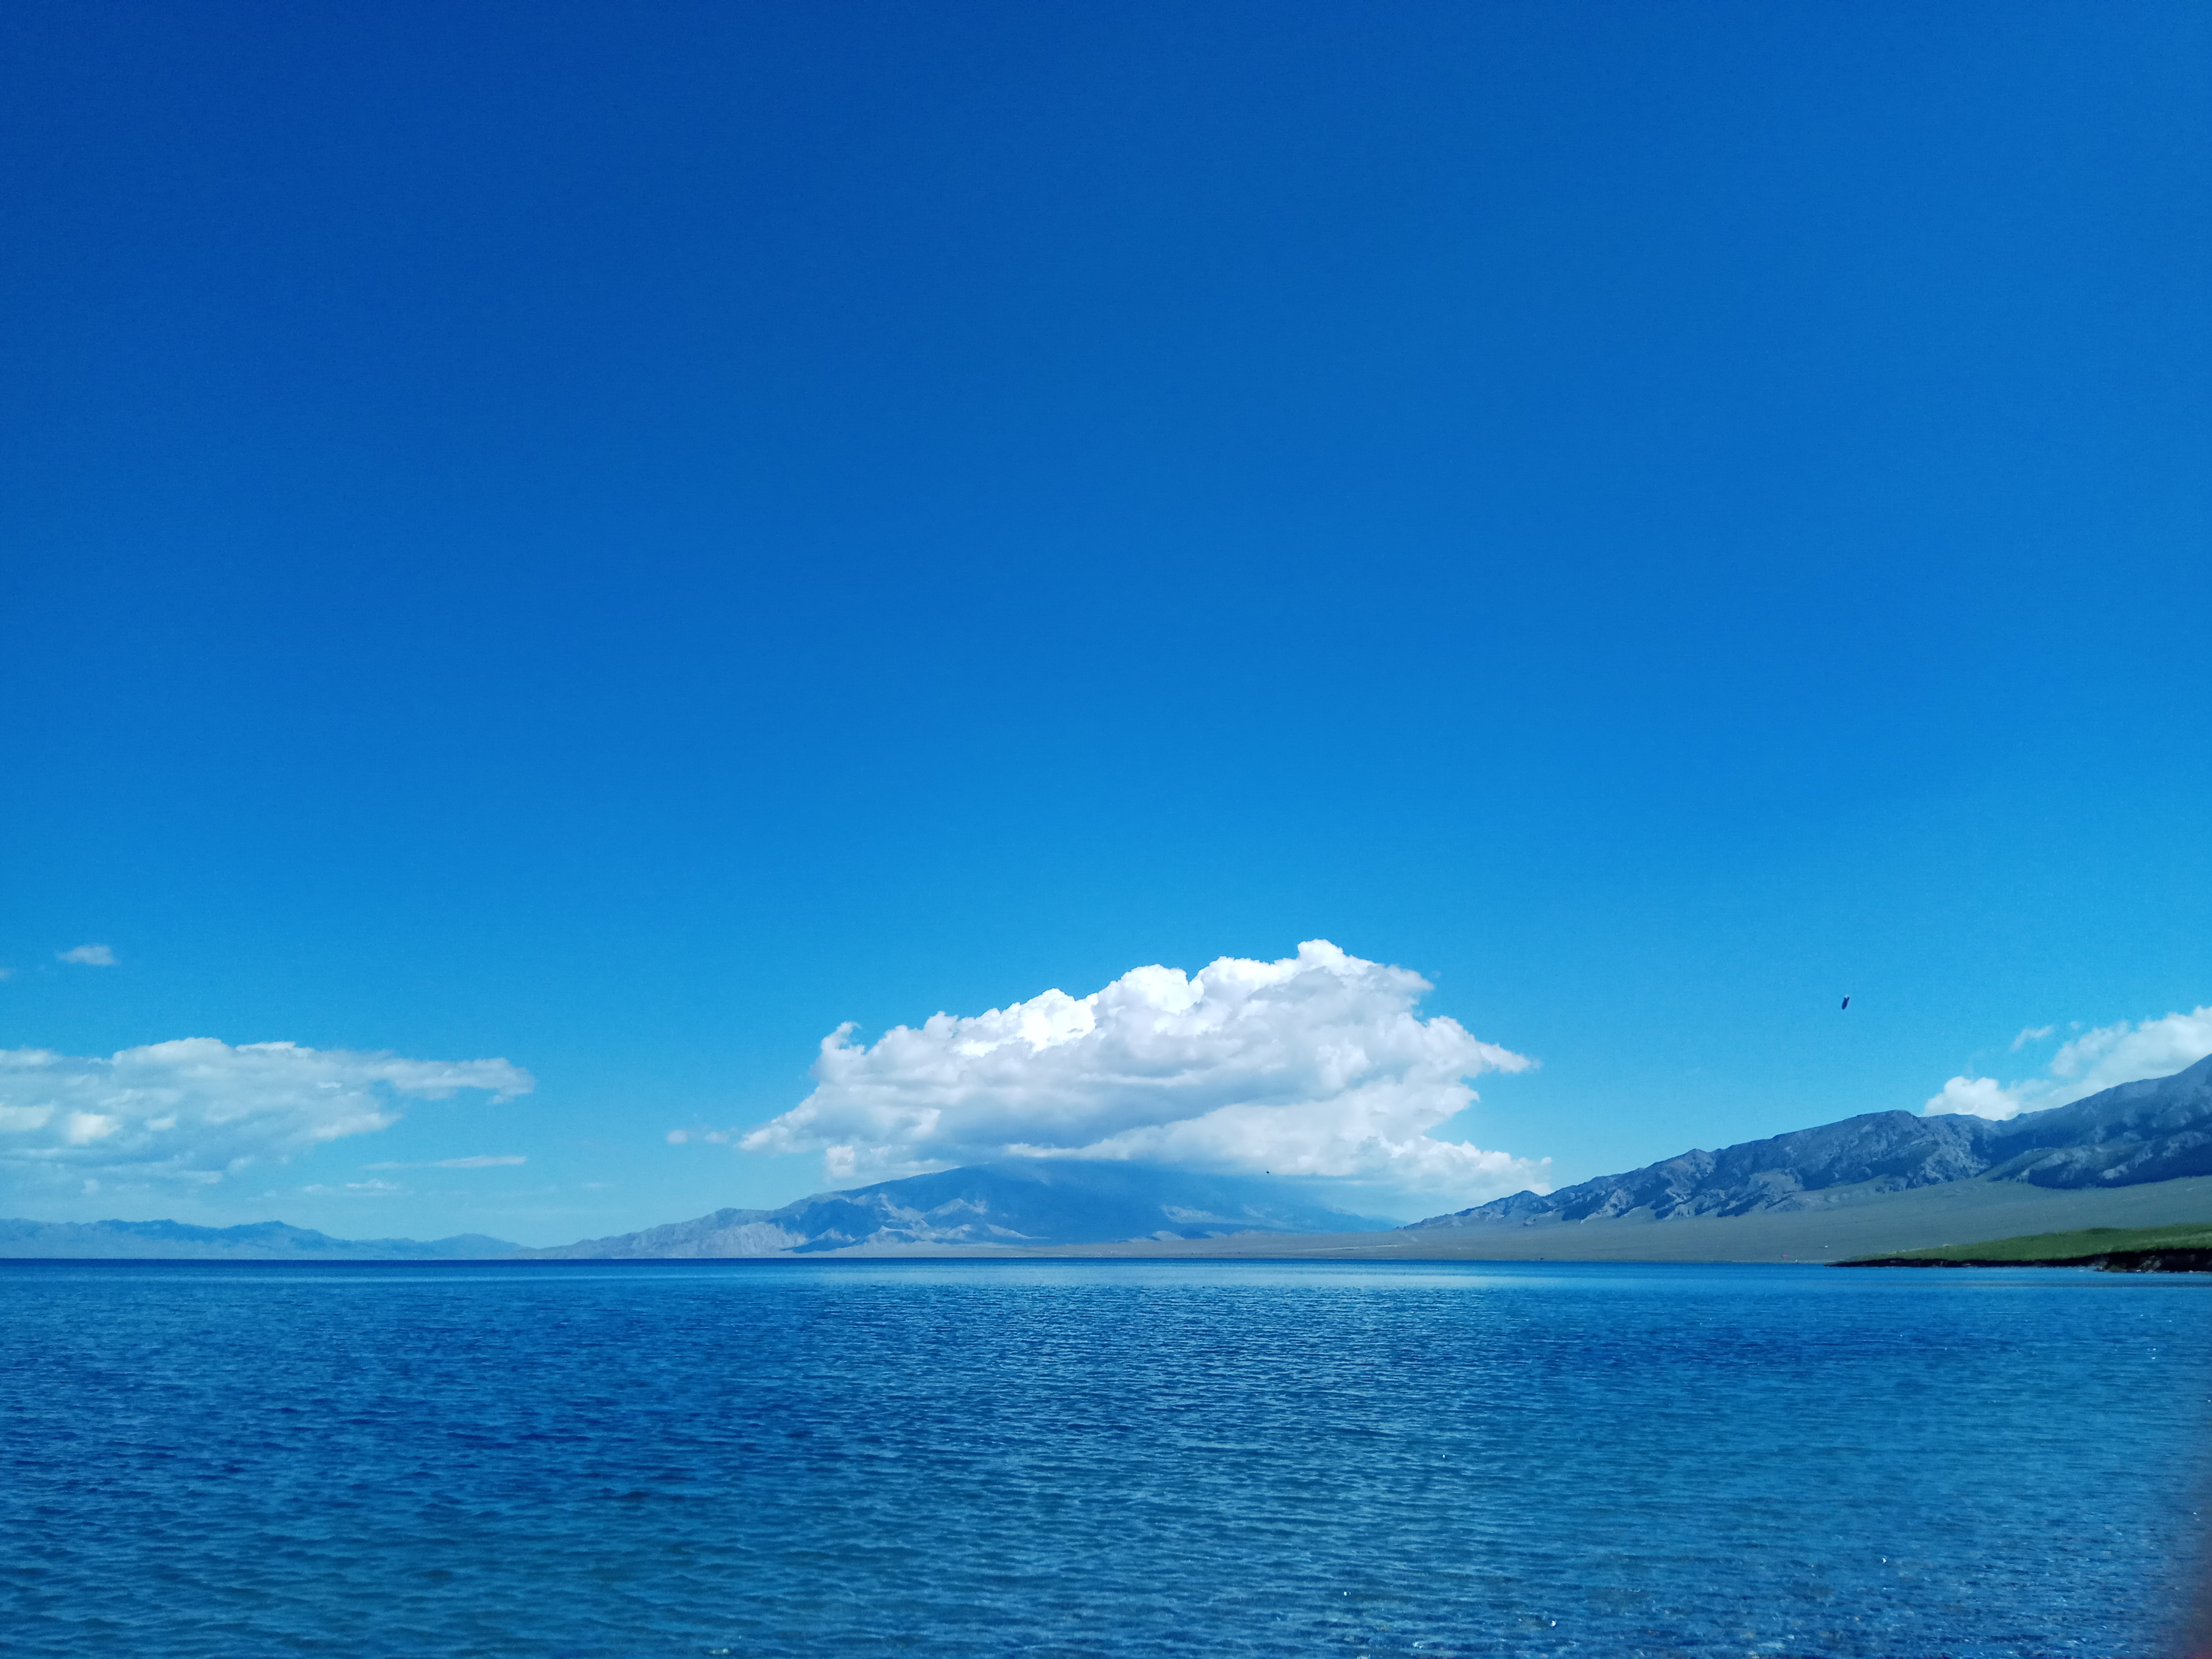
(2160, 1129)
(254, 1241)
(1035, 1202)
(2139, 1154)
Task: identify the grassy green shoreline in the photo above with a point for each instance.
(2183, 1248)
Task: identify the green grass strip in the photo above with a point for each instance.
(2064, 1247)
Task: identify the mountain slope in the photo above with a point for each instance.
(2156, 1130)
(1858, 1224)
(1030, 1201)
(257, 1241)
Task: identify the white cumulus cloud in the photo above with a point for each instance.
(196, 1108)
(2124, 1052)
(1317, 1065)
(88, 956)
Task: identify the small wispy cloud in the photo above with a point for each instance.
(88, 956)
(355, 1189)
(485, 1162)
(2125, 1051)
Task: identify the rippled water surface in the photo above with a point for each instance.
(1119, 1458)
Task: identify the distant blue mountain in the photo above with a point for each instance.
(2159, 1129)
(1025, 1201)
(257, 1241)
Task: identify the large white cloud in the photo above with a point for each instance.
(195, 1109)
(1316, 1064)
(2125, 1052)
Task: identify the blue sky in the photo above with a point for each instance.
(621, 539)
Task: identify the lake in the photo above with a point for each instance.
(1113, 1458)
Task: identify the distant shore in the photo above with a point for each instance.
(2114, 1261)
(2184, 1247)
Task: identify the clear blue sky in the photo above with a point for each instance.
(622, 537)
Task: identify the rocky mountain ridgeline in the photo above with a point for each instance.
(2156, 1130)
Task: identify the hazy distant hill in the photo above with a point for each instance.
(257, 1241)
(1037, 1201)
(2156, 1130)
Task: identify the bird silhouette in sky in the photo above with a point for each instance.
(1847, 1003)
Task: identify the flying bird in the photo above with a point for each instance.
(1847, 1003)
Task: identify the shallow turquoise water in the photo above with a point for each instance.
(1094, 1458)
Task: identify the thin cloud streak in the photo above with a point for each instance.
(487, 1162)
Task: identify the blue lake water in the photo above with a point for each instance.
(1099, 1459)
